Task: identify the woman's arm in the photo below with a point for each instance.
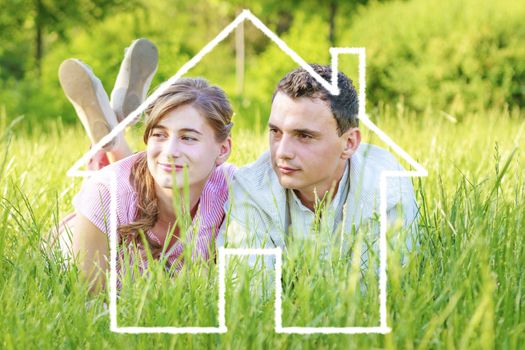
(90, 250)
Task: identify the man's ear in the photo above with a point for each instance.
(224, 151)
(352, 140)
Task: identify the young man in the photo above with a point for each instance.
(317, 175)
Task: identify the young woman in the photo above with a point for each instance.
(187, 130)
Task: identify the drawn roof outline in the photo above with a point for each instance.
(419, 171)
(330, 86)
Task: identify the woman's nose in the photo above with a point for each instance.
(173, 147)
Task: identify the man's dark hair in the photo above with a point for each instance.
(345, 106)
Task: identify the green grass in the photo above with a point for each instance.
(463, 288)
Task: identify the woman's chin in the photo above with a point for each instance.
(165, 182)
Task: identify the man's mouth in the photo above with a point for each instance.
(169, 168)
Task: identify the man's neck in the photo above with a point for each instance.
(328, 190)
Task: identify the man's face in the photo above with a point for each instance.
(306, 151)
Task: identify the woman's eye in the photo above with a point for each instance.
(157, 135)
(188, 138)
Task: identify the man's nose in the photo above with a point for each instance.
(285, 148)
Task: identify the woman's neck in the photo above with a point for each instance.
(168, 214)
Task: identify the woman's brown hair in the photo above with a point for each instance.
(212, 103)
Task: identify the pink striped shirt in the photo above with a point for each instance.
(94, 202)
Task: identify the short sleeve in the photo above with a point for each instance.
(94, 202)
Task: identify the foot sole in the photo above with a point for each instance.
(143, 60)
(81, 89)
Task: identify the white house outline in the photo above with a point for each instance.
(419, 171)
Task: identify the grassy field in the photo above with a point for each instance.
(463, 288)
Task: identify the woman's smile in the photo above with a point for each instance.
(170, 167)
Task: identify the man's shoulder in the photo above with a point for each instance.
(257, 176)
(372, 161)
(377, 158)
(257, 185)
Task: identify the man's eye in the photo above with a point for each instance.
(305, 136)
(273, 130)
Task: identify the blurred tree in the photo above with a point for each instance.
(13, 38)
(452, 56)
(26, 21)
(280, 13)
(423, 53)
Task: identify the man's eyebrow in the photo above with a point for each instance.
(307, 131)
(313, 133)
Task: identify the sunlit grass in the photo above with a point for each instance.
(464, 287)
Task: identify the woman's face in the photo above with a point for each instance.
(184, 139)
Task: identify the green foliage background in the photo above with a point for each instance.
(463, 289)
(445, 55)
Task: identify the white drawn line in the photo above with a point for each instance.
(330, 86)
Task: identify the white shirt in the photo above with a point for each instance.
(257, 203)
(303, 219)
